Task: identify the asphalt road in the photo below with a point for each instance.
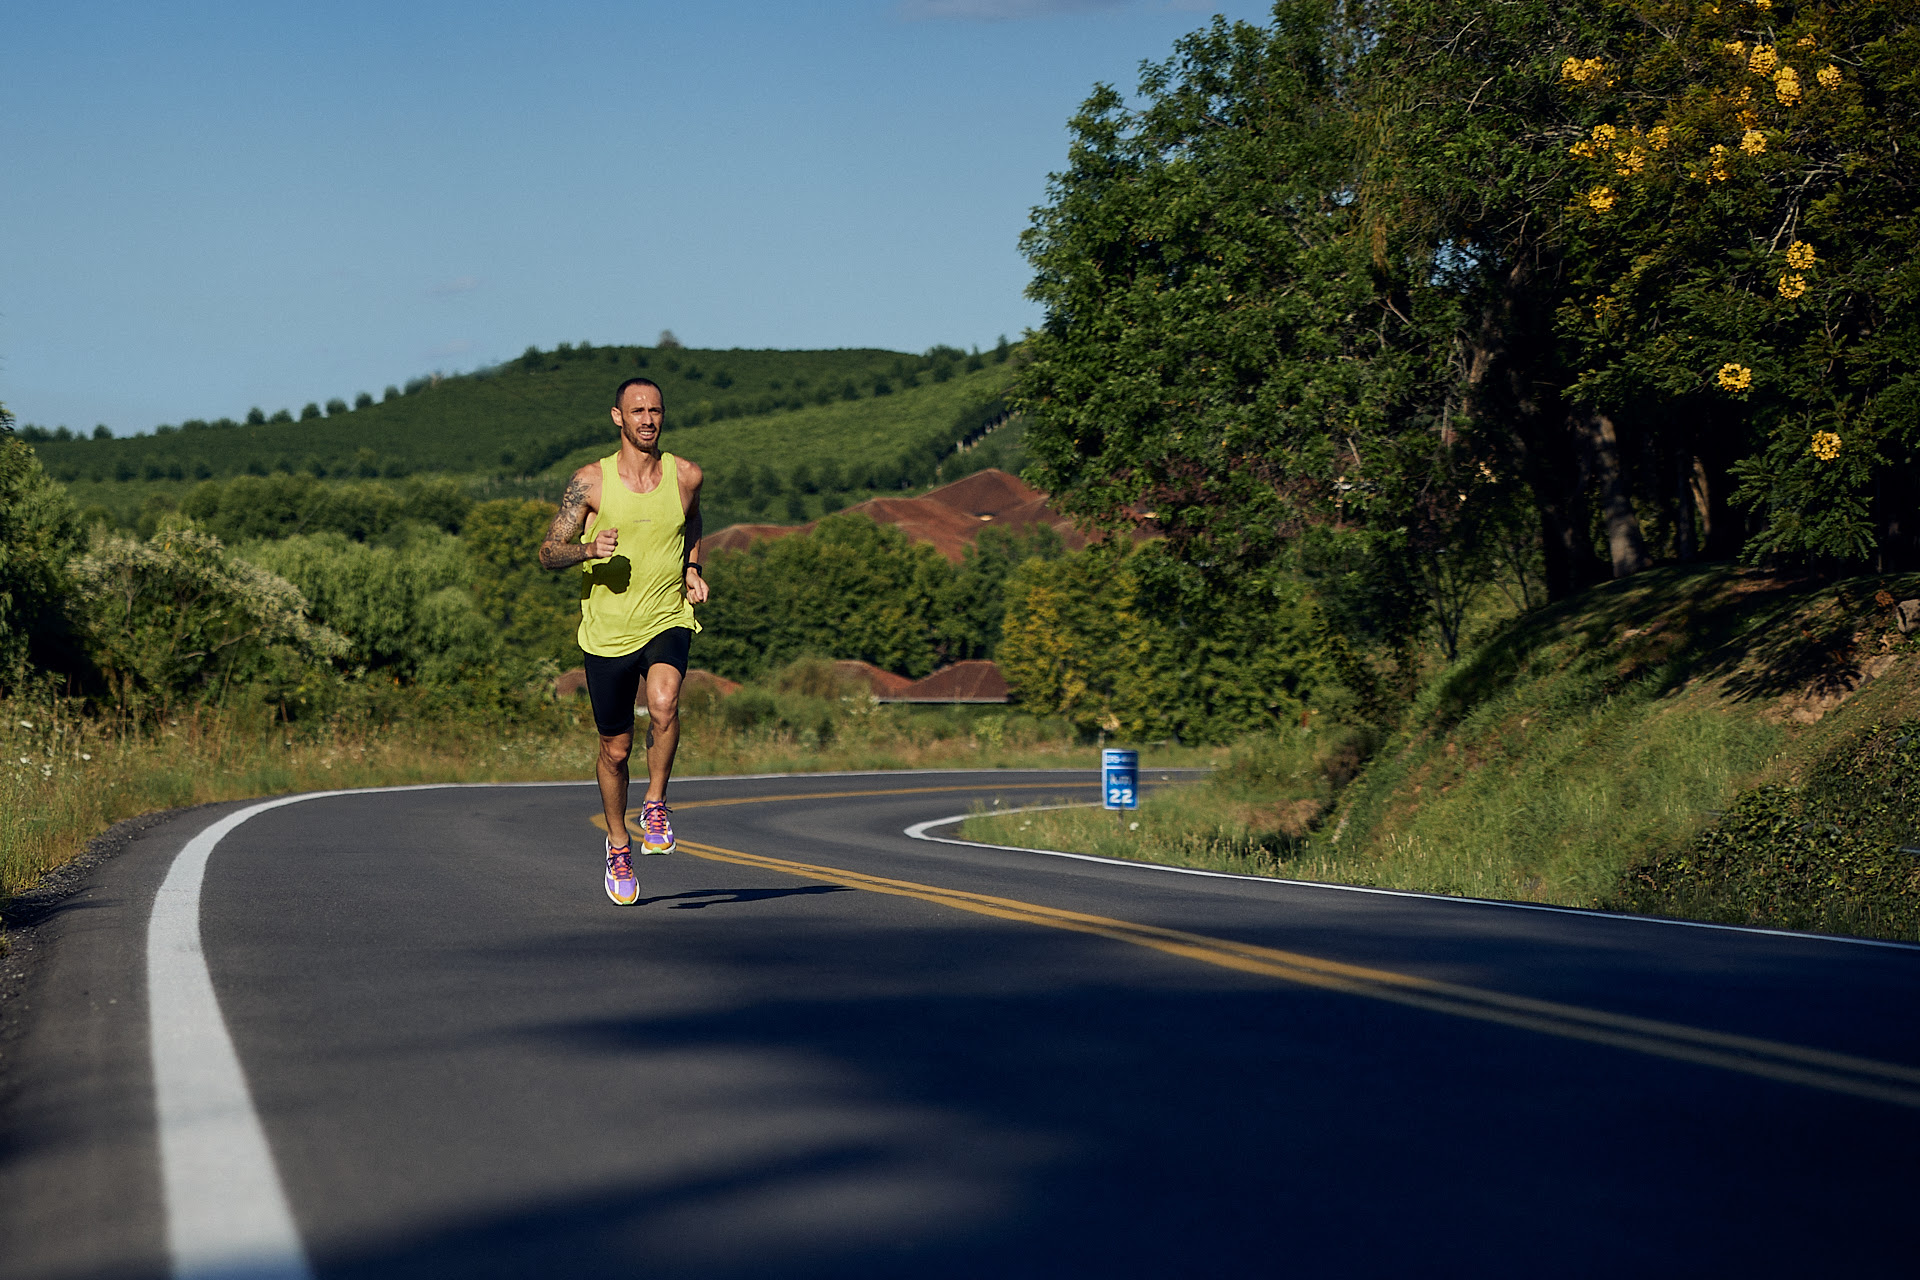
(821, 1048)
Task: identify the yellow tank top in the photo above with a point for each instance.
(633, 595)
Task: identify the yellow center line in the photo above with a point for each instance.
(1768, 1059)
(1772, 1060)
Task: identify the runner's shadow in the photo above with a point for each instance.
(714, 897)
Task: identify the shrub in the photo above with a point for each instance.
(178, 617)
(537, 611)
(1832, 854)
(1123, 641)
(407, 609)
(850, 589)
(39, 529)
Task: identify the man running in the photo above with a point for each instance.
(631, 521)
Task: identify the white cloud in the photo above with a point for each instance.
(457, 285)
(999, 10)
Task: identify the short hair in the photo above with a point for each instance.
(621, 390)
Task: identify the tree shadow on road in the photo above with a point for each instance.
(695, 898)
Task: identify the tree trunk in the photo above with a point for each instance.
(1626, 545)
(1513, 384)
(1686, 539)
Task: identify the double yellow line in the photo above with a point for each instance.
(1791, 1064)
(1768, 1059)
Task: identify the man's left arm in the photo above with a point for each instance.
(694, 575)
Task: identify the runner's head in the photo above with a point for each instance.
(638, 411)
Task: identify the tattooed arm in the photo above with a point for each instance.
(561, 547)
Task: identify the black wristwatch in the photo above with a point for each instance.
(696, 568)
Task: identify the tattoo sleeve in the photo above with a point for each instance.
(562, 547)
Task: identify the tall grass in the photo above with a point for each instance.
(1561, 821)
(1252, 815)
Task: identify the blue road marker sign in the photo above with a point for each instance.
(1120, 778)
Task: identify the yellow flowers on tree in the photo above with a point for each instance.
(1760, 271)
(1330, 292)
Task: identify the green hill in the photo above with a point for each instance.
(784, 435)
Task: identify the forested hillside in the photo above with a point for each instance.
(785, 435)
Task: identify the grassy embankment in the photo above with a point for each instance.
(882, 417)
(1584, 755)
(68, 777)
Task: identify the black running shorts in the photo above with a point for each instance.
(614, 683)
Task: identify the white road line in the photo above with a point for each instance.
(226, 1211)
(919, 830)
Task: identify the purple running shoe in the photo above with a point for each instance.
(622, 885)
(656, 833)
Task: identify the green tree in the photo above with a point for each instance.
(972, 609)
(1745, 260)
(310, 412)
(39, 530)
(537, 612)
(1137, 644)
(850, 589)
(177, 616)
(408, 609)
(1228, 350)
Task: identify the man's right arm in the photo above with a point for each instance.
(562, 547)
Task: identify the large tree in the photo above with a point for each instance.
(1747, 263)
(1407, 270)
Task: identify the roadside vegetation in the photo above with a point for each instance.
(1715, 743)
(285, 634)
(69, 773)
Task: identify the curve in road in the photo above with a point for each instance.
(863, 1054)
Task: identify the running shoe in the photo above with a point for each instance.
(656, 833)
(622, 885)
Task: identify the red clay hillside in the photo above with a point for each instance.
(949, 517)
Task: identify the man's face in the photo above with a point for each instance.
(639, 415)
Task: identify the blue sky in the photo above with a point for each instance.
(215, 206)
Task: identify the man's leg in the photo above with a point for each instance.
(612, 685)
(612, 772)
(663, 728)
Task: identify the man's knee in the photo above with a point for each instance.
(615, 750)
(663, 708)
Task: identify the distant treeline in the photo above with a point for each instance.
(520, 418)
